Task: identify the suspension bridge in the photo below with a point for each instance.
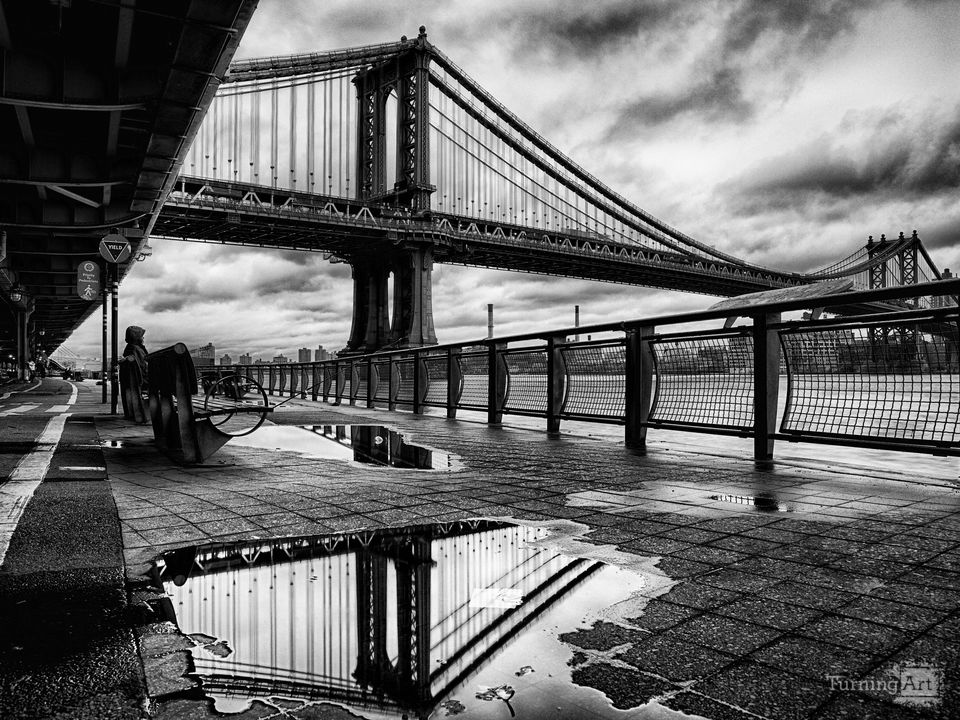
(391, 158)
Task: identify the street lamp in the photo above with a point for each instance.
(16, 293)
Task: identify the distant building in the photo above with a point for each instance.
(205, 356)
(941, 301)
(226, 360)
(245, 359)
(280, 359)
(303, 355)
(319, 355)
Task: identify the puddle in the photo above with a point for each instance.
(429, 620)
(17, 447)
(366, 444)
(763, 503)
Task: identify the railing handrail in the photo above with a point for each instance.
(831, 367)
(936, 288)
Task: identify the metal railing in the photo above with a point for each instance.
(889, 380)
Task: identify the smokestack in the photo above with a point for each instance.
(489, 320)
(576, 321)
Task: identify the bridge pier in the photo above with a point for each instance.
(409, 323)
(412, 324)
(371, 323)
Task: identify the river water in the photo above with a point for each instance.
(910, 466)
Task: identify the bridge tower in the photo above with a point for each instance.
(405, 77)
(407, 680)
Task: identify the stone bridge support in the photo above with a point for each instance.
(409, 323)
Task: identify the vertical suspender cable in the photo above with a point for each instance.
(348, 133)
(216, 133)
(236, 136)
(340, 138)
(328, 137)
(324, 173)
(254, 136)
(311, 110)
(293, 136)
(204, 147)
(274, 145)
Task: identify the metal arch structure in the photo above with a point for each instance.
(474, 185)
(100, 102)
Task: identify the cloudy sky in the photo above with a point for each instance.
(781, 132)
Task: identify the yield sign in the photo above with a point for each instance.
(114, 248)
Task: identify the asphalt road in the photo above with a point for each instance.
(67, 649)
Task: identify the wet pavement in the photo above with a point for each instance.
(793, 593)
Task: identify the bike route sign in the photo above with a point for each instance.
(114, 248)
(88, 280)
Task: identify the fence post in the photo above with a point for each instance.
(766, 387)
(497, 382)
(329, 371)
(316, 373)
(394, 383)
(454, 378)
(373, 379)
(556, 382)
(341, 381)
(354, 383)
(638, 387)
(419, 382)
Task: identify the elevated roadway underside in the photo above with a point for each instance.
(99, 103)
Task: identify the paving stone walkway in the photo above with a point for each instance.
(803, 607)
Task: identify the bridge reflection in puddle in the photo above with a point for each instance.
(395, 623)
(367, 444)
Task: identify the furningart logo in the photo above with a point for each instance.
(913, 682)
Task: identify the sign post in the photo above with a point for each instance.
(115, 249)
(103, 357)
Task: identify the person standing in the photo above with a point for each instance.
(136, 349)
(133, 375)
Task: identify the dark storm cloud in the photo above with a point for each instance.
(756, 35)
(577, 29)
(718, 97)
(571, 292)
(167, 303)
(903, 156)
(809, 24)
(944, 235)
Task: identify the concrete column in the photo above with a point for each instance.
(370, 328)
(378, 316)
(361, 299)
(413, 298)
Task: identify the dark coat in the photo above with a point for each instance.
(134, 338)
